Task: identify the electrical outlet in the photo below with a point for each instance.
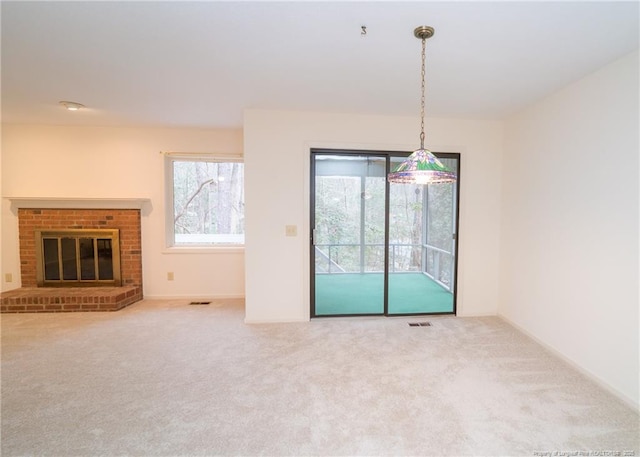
(8, 277)
(170, 276)
(291, 230)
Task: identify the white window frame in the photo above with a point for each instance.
(170, 245)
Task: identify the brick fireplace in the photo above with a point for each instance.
(31, 298)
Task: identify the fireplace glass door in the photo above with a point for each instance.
(78, 257)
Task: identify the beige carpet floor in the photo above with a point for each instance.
(172, 379)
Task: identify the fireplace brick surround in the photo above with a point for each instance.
(31, 298)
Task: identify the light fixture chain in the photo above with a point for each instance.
(424, 47)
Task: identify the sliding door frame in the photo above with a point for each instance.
(387, 155)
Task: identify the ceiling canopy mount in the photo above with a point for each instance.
(423, 32)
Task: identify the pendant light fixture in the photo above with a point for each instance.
(422, 167)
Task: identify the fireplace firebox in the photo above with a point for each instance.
(78, 257)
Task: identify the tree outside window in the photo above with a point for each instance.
(208, 202)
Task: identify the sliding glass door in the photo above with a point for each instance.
(380, 248)
(349, 236)
(422, 243)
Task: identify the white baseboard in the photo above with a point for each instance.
(193, 297)
(606, 386)
(476, 315)
(274, 321)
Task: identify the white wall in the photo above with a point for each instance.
(570, 224)
(277, 161)
(97, 162)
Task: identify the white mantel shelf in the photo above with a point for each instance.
(79, 203)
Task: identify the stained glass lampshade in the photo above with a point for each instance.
(421, 167)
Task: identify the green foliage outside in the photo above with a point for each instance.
(344, 247)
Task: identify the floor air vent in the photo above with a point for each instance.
(200, 303)
(419, 324)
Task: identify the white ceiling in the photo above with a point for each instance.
(200, 64)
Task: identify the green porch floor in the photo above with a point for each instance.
(352, 293)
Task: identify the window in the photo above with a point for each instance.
(206, 201)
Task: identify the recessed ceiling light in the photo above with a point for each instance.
(72, 106)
